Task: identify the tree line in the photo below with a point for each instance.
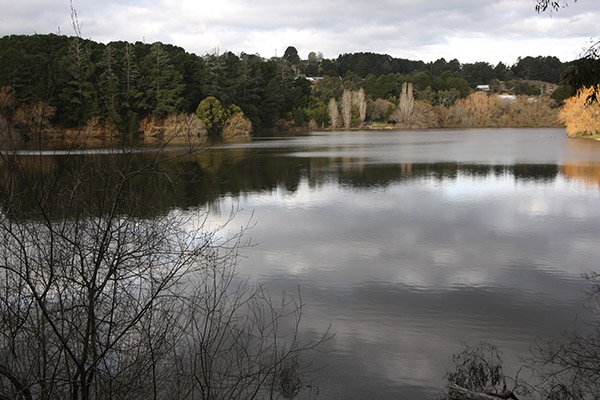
(125, 83)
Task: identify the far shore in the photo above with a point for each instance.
(110, 141)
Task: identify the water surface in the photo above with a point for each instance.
(408, 243)
(413, 243)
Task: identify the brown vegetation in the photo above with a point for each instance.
(480, 110)
(24, 124)
(406, 106)
(358, 99)
(346, 105)
(34, 117)
(587, 173)
(334, 115)
(582, 117)
(237, 128)
(176, 129)
(30, 119)
(419, 115)
(94, 133)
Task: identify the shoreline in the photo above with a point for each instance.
(96, 142)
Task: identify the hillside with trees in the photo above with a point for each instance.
(121, 90)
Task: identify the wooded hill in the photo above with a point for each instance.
(125, 83)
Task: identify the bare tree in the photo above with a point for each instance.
(105, 295)
(543, 5)
(406, 105)
(478, 375)
(358, 99)
(242, 346)
(570, 367)
(346, 105)
(334, 115)
(559, 369)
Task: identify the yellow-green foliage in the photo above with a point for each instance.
(213, 114)
(580, 117)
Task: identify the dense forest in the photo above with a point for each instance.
(125, 84)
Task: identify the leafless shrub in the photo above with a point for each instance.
(334, 115)
(103, 295)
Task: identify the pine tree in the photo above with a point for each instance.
(131, 74)
(108, 86)
(79, 93)
(166, 83)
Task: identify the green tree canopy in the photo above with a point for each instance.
(547, 69)
(291, 55)
(213, 114)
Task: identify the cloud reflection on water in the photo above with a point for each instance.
(408, 267)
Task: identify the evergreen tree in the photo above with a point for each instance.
(166, 84)
(275, 93)
(79, 94)
(251, 90)
(130, 78)
(215, 74)
(131, 95)
(108, 86)
(213, 114)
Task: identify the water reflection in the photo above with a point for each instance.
(409, 243)
(202, 180)
(587, 173)
(409, 271)
(409, 260)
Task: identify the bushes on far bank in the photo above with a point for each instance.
(479, 110)
(582, 117)
(24, 123)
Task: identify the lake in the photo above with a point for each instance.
(412, 243)
(408, 243)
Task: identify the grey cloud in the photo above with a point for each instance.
(400, 27)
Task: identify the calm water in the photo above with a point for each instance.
(413, 243)
(408, 243)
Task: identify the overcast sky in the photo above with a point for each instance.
(469, 30)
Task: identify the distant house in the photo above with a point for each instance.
(314, 79)
(482, 88)
(507, 97)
